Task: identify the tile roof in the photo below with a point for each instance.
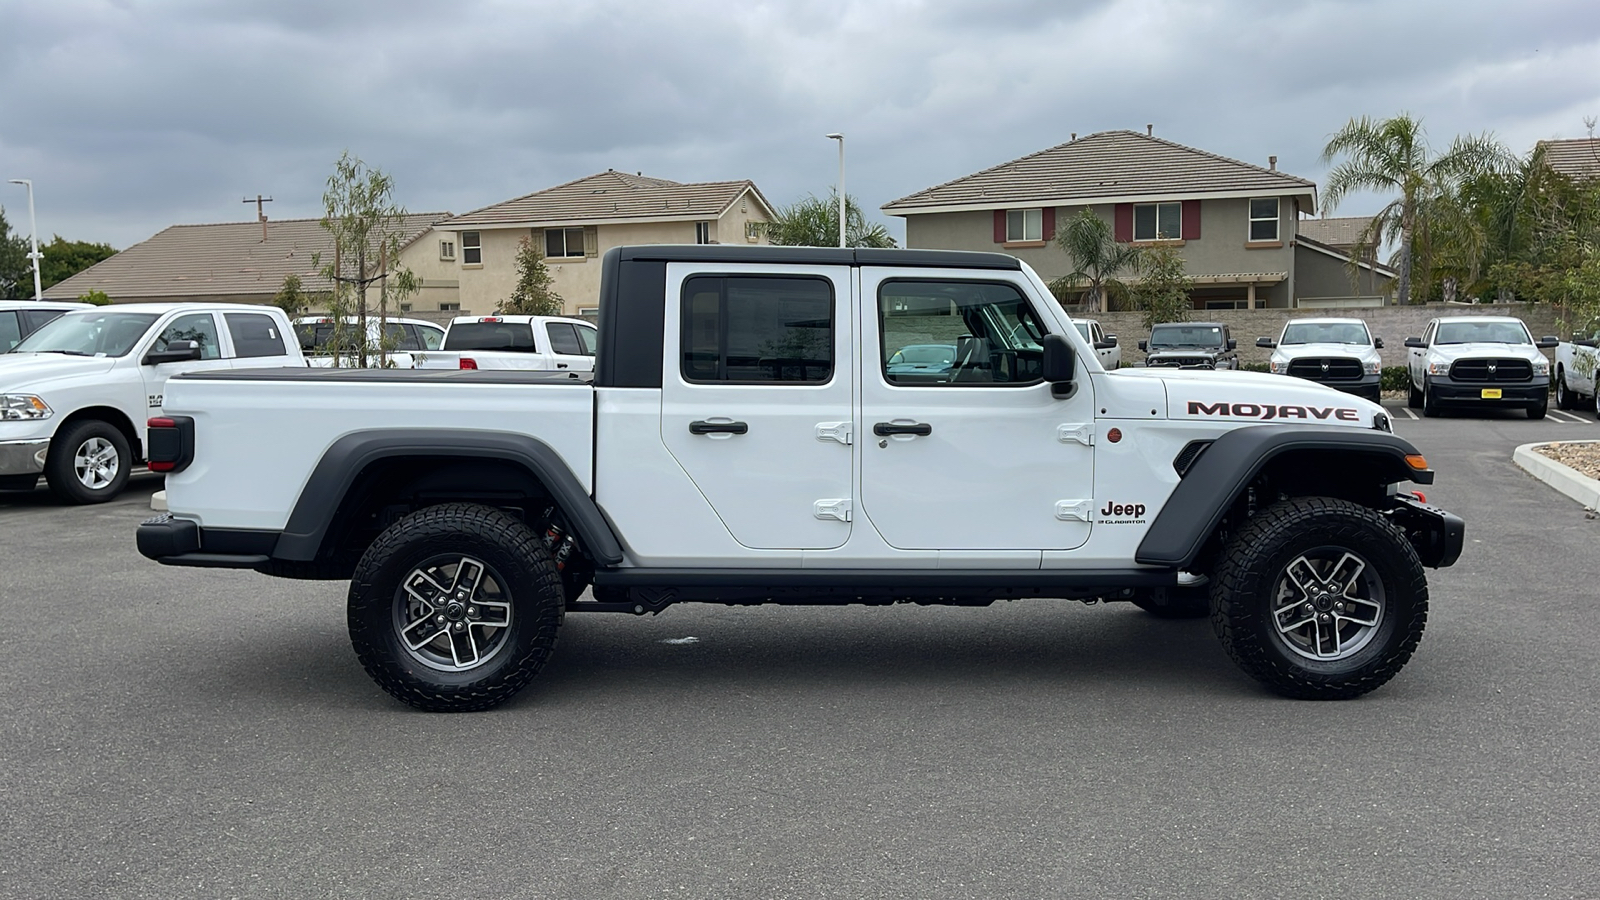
(612, 196)
(219, 260)
(1103, 165)
(1575, 158)
(1337, 232)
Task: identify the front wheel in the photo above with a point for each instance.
(88, 462)
(1564, 398)
(1538, 412)
(455, 608)
(1430, 403)
(1320, 599)
(1413, 396)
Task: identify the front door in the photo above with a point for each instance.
(200, 327)
(756, 399)
(974, 453)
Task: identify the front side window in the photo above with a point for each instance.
(471, 248)
(563, 242)
(588, 338)
(89, 334)
(197, 327)
(1483, 333)
(936, 333)
(1264, 219)
(1157, 221)
(1024, 225)
(254, 335)
(563, 339)
(754, 330)
(429, 337)
(10, 331)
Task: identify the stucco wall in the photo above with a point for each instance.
(1320, 275)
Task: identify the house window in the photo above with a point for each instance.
(405, 307)
(1024, 225)
(589, 312)
(447, 250)
(449, 307)
(563, 242)
(471, 248)
(1264, 219)
(704, 233)
(1157, 221)
(752, 231)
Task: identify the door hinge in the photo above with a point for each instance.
(1082, 433)
(834, 431)
(1074, 510)
(838, 510)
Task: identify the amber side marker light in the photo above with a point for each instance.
(1417, 461)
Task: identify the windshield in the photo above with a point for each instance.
(89, 334)
(1326, 333)
(1186, 336)
(490, 336)
(1483, 333)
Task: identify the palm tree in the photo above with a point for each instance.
(814, 222)
(1096, 260)
(1392, 155)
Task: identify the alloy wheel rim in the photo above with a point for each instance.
(96, 463)
(452, 613)
(1328, 604)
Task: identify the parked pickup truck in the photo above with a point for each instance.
(1479, 361)
(1105, 345)
(534, 343)
(75, 395)
(20, 318)
(1576, 362)
(743, 441)
(1340, 353)
(403, 341)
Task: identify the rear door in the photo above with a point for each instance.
(756, 399)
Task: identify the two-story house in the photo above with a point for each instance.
(1234, 223)
(573, 224)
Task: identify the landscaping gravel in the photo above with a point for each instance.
(1581, 455)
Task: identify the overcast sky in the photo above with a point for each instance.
(131, 116)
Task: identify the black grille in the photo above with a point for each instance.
(1491, 371)
(1188, 455)
(1326, 369)
(1183, 361)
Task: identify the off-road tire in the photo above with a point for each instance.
(1176, 603)
(1413, 396)
(60, 467)
(1564, 397)
(518, 564)
(1253, 570)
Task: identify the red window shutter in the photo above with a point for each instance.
(1191, 220)
(999, 226)
(1049, 217)
(1123, 229)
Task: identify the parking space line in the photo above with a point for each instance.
(1566, 415)
(1407, 411)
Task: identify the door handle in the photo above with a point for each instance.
(885, 429)
(561, 365)
(704, 427)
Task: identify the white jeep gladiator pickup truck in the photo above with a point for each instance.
(745, 440)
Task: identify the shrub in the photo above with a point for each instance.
(1255, 367)
(1394, 378)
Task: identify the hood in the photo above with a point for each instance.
(23, 370)
(1466, 351)
(1255, 397)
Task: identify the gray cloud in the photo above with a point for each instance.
(132, 116)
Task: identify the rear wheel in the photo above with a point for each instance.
(1320, 599)
(88, 462)
(455, 608)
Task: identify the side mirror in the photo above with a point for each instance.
(1059, 361)
(1266, 343)
(1416, 342)
(177, 351)
(1106, 344)
(1233, 343)
(1111, 339)
(1377, 343)
(1548, 341)
(1143, 345)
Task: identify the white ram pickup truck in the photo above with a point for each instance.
(1576, 363)
(746, 440)
(76, 394)
(1476, 362)
(404, 342)
(1340, 353)
(530, 343)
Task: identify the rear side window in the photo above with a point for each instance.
(490, 336)
(10, 331)
(254, 335)
(753, 330)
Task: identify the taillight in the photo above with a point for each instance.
(491, 319)
(169, 443)
(468, 362)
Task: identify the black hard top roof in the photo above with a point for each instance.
(818, 256)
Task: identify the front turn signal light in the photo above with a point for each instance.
(1417, 461)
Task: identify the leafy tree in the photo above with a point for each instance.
(95, 297)
(1162, 292)
(533, 295)
(64, 259)
(367, 228)
(814, 222)
(16, 273)
(1096, 259)
(1393, 156)
(292, 297)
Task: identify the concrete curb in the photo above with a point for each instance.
(1563, 478)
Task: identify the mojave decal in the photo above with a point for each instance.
(1268, 411)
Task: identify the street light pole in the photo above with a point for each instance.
(840, 138)
(33, 237)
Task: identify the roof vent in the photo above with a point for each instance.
(1074, 135)
(1149, 130)
(1272, 164)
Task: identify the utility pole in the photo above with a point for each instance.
(840, 138)
(33, 238)
(261, 215)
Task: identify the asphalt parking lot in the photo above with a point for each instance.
(190, 733)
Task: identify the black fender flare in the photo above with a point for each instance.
(1215, 480)
(347, 457)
